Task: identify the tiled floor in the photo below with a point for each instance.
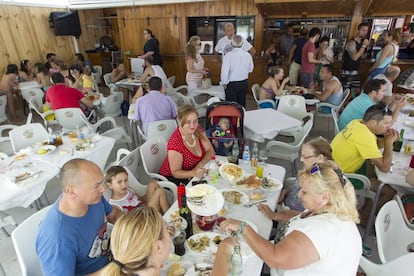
(322, 127)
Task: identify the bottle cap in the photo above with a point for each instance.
(246, 147)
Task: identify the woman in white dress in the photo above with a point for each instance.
(195, 64)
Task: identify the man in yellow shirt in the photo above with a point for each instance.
(357, 143)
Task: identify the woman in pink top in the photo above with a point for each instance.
(195, 63)
(188, 149)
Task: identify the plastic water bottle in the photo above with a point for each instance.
(255, 156)
(246, 155)
(236, 151)
(236, 262)
(213, 172)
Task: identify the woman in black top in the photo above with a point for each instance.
(152, 47)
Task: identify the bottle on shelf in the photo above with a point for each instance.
(236, 262)
(213, 171)
(398, 143)
(255, 156)
(185, 212)
(246, 155)
(236, 151)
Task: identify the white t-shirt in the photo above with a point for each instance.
(338, 243)
(224, 45)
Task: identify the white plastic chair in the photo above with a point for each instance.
(27, 94)
(294, 106)
(213, 100)
(153, 152)
(162, 128)
(393, 235)
(24, 238)
(335, 121)
(27, 135)
(289, 151)
(337, 108)
(181, 99)
(363, 193)
(97, 76)
(108, 82)
(171, 80)
(36, 104)
(401, 266)
(5, 142)
(112, 106)
(255, 92)
(3, 104)
(400, 204)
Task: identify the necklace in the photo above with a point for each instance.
(193, 144)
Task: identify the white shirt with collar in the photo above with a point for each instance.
(237, 64)
(224, 45)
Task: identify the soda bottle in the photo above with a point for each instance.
(236, 262)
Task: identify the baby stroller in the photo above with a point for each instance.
(235, 114)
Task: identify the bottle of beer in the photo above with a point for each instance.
(398, 143)
(185, 212)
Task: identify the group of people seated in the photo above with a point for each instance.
(52, 75)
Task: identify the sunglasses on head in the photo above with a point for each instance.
(316, 170)
(383, 111)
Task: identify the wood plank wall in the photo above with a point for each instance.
(25, 34)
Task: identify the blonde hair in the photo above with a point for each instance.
(182, 115)
(133, 239)
(342, 199)
(190, 49)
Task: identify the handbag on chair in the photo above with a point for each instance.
(206, 83)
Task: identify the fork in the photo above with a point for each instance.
(250, 204)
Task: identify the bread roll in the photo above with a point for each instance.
(176, 270)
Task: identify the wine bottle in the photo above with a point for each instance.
(185, 212)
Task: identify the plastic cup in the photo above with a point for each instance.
(178, 242)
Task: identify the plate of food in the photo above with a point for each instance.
(271, 184)
(25, 176)
(257, 194)
(249, 183)
(44, 150)
(211, 202)
(176, 268)
(84, 146)
(177, 221)
(231, 172)
(234, 197)
(204, 243)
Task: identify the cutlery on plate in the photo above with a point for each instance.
(250, 204)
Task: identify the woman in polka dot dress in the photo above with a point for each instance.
(188, 149)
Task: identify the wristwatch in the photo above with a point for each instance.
(241, 227)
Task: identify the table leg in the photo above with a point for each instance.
(371, 219)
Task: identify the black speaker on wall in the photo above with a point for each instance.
(65, 23)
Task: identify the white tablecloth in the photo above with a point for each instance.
(29, 85)
(26, 192)
(214, 90)
(266, 123)
(252, 266)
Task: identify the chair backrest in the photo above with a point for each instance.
(6, 128)
(162, 128)
(346, 95)
(27, 94)
(27, 135)
(153, 152)
(393, 235)
(365, 191)
(24, 238)
(409, 223)
(294, 106)
(98, 74)
(256, 91)
(112, 105)
(402, 266)
(335, 121)
(131, 161)
(107, 79)
(3, 104)
(70, 118)
(171, 80)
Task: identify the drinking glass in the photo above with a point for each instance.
(263, 156)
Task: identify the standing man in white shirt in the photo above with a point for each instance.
(224, 44)
(237, 64)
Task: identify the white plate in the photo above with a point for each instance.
(29, 176)
(229, 177)
(210, 249)
(182, 223)
(48, 148)
(243, 197)
(213, 201)
(276, 185)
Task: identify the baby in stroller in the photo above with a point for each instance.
(222, 135)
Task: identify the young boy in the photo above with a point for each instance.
(223, 135)
(124, 197)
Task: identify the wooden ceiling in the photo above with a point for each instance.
(332, 8)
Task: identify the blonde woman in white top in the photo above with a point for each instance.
(195, 64)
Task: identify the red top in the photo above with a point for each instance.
(306, 66)
(190, 160)
(61, 96)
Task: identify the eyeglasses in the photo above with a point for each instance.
(309, 156)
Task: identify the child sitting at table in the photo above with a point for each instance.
(222, 136)
(87, 80)
(127, 199)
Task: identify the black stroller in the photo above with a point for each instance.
(235, 114)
